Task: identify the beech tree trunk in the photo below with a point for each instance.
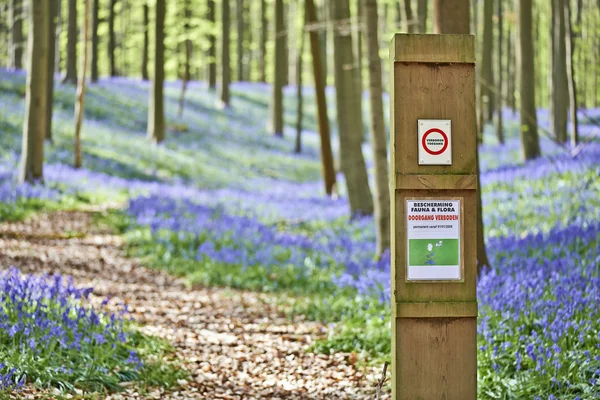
(498, 94)
(146, 41)
(95, 41)
(188, 55)
(529, 134)
(36, 97)
(212, 47)
(411, 25)
(263, 41)
(560, 92)
(422, 15)
(239, 13)
(486, 90)
(299, 94)
(276, 126)
(378, 138)
(16, 34)
(156, 113)
(112, 44)
(51, 55)
(570, 48)
(80, 100)
(225, 67)
(71, 76)
(349, 116)
(329, 178)
(58, 31)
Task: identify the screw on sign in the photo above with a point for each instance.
(433, 144)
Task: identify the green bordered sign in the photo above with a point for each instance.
(433, 247)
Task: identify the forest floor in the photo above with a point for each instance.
(234, 344)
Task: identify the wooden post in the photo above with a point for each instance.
(433, 217)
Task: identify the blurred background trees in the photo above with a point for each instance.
(532, 54)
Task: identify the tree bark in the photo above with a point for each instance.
(225, 67)
(71, 76)
(263, 41)
(276, 126)
(212, 47)
(529, 134)
(299, 95)
(146, 41)
(94, 59)
(499, 125)
(486, 90)
(111, 38)
(329, 178)
(348, 115)
(570, 49)
(36, 98)
(51, 55)
(239, 12)
(188, 55)
(378, 137)
(451, 16)
(510, 72)
(80, 98)
(156, 113)
(58, 31)
(422, 15)
(560, 92)
(411, 24)
(16, 34)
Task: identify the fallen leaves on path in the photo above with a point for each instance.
(235, 344)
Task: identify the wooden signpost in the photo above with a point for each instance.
(433, 212)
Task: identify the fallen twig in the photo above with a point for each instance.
(381, 381)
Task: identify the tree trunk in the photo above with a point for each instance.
(80, 100)
(95, 40)
(276, 126)
(285, 65)
(146, 41)
(212, 47)
(451, 16)
(225, 67)
(249, 46)
(570, 49)
(378, 137)
(16, 34)
(239, 16)
(510, 73)
(459, 11)
(156, 113)
(319, 76)
(411, 24)
(529, 134)
(263, 41)
(51, 55)
(499, 125)
(36, 98)
(422, 14)
(71, 76)
(560, 92)
(111, 38)
(58, 31)
(487, 76)
(348, 115)
(299, 95)
(188, 56)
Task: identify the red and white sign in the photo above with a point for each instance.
(435, 142)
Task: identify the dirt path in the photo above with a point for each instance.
(235, 344)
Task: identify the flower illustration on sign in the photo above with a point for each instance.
(430, 256)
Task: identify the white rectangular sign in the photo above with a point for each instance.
(435, 141)
(433, 240)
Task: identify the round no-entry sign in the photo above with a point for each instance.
(435, 142)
